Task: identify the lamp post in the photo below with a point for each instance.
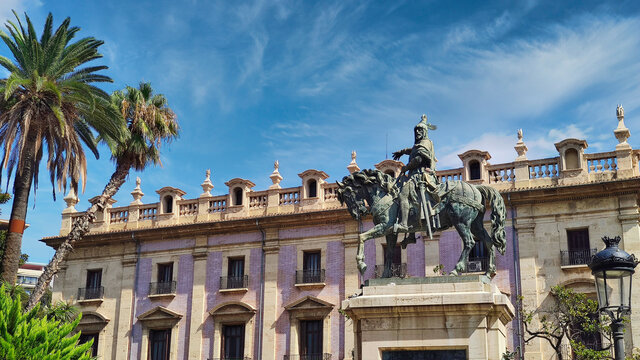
(613, 268)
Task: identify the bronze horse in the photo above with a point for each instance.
(462, 206)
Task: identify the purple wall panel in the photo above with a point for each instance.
(167, 245)
(296, 233)
(235, 238)
(415, 257)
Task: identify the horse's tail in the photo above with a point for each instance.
(492, 197)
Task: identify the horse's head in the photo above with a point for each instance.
(352, 194)
(349, 196)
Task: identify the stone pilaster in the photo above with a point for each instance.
(123, 327)
(271, 292)
(431, 253)
(198, 298)
(351, 281)
(628, 218)
(525, 227)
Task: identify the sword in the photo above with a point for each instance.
(424, 207)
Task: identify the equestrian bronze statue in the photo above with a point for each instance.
(418, 202)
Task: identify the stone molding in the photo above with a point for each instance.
(159, 318)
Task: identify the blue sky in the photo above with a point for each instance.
(307, 82)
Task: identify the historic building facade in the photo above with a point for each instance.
(262, 274)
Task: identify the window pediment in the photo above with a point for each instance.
(233, 311)
(309, 307)
(159, 318)
(92, 322)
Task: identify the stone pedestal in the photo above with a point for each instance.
(439, 316)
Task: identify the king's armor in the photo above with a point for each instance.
(421, 179)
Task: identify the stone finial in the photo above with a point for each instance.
(353, 166)
(71, 199)
(275, 176)
(621, 132)
(137, 193)
(520, 147)
(206, 185)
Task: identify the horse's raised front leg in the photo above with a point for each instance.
(467, 242)
(362, 238)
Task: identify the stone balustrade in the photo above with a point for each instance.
(572, 166)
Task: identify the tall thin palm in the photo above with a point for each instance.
(150, 123)
(48, 105)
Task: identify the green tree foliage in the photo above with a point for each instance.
(150, 123)
(26, 336)
(49, 105)
(571, 316)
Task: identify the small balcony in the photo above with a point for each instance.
(309, 276)
(234, 282)
(576, 257)
(324, 356)
(397, 270)
(90, 293)
(477, 264)
(162, 288)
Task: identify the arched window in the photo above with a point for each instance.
(312, 188)
(474, 170)
(168, 204)
(237, 196)
(571, 159)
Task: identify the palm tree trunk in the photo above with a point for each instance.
(79, 229)
(21, 190)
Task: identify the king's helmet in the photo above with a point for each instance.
(423, 124)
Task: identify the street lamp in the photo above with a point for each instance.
(613, 268)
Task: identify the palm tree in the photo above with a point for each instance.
(150, 123)
(49, 105)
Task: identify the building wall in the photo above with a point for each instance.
(271, 229)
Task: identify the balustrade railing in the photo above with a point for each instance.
(548, 168)
(309, 276)
(477, 264)
(397, 270)
(502, 173)
(576, 257)
(148, 212)
(324, 356)
(544, 168)
(160, 288)
(118, 215)
(453, 174)
(234, 282)
(217, 205)
(601, 162)
(257, 201)
(330, 192)
(188, 207)
(290, 197)
(90, 293)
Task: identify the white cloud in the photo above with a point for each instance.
(20, 6)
